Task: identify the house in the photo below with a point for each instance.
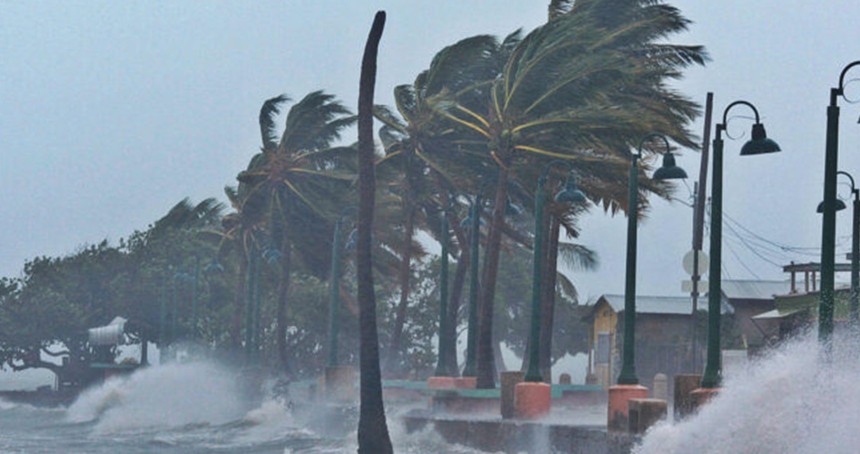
(750, 298)
(663, 333)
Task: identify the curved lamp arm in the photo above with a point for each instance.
(853, 188)
(840, 90)
(746, 103)
(650, 137)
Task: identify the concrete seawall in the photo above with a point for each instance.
(512, 436)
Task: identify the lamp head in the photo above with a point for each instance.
(669, 170)
(759, 143)
(213, 268)
(570, 193)
(840, 205)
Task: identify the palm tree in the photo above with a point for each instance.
(296, 183)
(583, 87)
(373, 435)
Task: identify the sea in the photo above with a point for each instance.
(193, 407)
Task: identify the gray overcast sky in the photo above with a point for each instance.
(111, 112)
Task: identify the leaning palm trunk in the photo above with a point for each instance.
(486, 358)
(283, 299)
(373, 435)
(548, 300)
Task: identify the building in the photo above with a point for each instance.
(663, 332)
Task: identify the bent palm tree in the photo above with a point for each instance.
(584, 87)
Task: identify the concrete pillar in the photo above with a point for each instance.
(683, 401)
(618, 397)
(441, 383)
(466, 382)
(661, 387)
(532, 400)
(644, 413)
(340, 383)
(564, 379)
(701, 396)
(509, 381)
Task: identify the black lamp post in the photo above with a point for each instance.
(758, 144)
(474, 221)
(828, 223)
(442, 360)
(570, 194)
(668, 171)
(855, 247)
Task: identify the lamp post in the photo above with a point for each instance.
(570, 194)
(668, 171)
(627, 386)
(334, 295)
(532, 397)
(855, 247)
(442, 363)
(758, 144)
(828, 223)
(470, 369)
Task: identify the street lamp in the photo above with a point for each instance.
(474, 221)
(570, 194)
(442, 369)
(669, 171)
(855, 247)
(828, 224)
(758, 144)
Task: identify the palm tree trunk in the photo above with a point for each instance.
(283, 299)
(373, 435)
(239, 303)
(393, 362)
(548, 300)
(486, 358)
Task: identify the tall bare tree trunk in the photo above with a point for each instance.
(373, 435)
(486, 358)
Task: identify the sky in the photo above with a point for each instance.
(112, 112)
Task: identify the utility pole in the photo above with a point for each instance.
(698, 228)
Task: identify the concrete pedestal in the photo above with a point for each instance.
(508, 381)
(466, 382)
(532, 400)
(683, 404)
(441, 382)
(644, 413)
(339, 383)
(618, 397)
(701, 396)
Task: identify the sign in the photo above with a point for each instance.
(687, 262)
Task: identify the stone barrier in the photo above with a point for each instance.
(644, 413)
(509, 382)
(683, 403)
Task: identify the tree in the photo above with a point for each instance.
(584, 87)
(373, 435)
(293, 188)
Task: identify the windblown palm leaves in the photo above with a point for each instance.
(584, 88)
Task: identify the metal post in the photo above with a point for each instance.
(194, 291)
(828, 224)
(441, 365)
(533, 373)
(713, 367)
(334, 296)
(855, 261)
(470, 370)
(628, 365)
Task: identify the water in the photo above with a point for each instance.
(792, 402)
(185, 408)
